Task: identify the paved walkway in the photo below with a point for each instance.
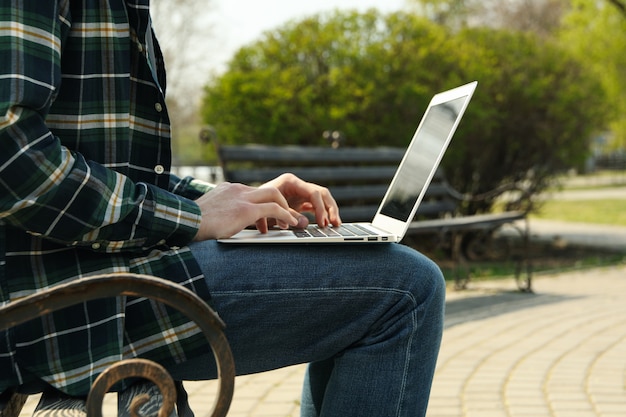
(560, 352)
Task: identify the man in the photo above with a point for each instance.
(85, 189)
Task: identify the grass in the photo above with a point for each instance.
(607, 211)
(545, 259)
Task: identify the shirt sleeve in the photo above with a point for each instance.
(50, 191)
(189, 187)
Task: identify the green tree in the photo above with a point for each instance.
(595, 32)
(367, 75)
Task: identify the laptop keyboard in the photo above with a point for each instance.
(346, 230)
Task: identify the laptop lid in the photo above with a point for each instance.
(421, 160)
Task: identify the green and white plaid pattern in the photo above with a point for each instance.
(85, 188)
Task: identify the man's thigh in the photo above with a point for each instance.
(289, 304)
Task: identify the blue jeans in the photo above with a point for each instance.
(367, 318)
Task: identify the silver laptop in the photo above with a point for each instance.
(407, 187)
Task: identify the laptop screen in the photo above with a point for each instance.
(424, 153)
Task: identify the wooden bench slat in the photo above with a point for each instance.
(309, 155)
(377, 192)
(366, 212)
(474, 222)
(363, 213)
(320, 175)
(440, 208)
(366, 193)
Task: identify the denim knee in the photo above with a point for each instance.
(423, 277)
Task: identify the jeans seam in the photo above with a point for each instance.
(316, 290)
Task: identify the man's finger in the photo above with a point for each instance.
(268, 194)
(271, 210)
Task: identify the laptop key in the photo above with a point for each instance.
(355, 230)
(331, 231)
(314, 231)
(365, 230)
(301, 233)
(343, 231)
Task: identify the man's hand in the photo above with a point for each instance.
(306, 196)
(229, 208)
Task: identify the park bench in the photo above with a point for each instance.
(160, 392)
(358, 179)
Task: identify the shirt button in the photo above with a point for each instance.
(158, 107)
(159, 169)
(95, 246)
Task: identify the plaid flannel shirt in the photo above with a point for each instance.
(85, 188)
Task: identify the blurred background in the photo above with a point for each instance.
(550, 109)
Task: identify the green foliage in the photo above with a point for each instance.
(371, 76)
(367, 75)
(595, 32)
